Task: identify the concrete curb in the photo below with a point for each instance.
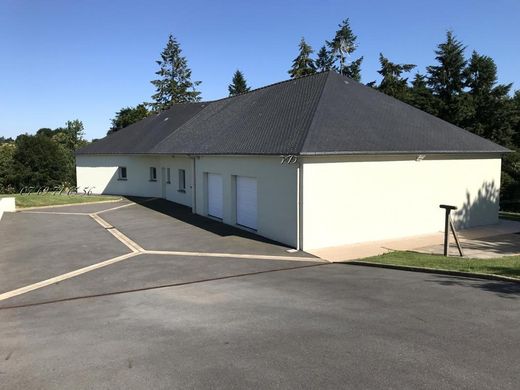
(434, 271)
(68, 204)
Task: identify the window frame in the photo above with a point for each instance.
(182, 180)
(153, 174)
(168, 176)
(120, 175)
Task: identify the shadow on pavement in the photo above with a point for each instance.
(185, 214)
(504, 289)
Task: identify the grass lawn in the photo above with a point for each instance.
(509, 215)
(505, 266)
(34, 200)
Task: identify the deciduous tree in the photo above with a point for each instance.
(38, 161)
(127, 116)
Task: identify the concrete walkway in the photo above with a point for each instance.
(479, 242)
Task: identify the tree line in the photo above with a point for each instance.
(461, 90)
(46, 158)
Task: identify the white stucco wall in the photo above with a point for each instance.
(276, 192)
(356, 199)
(101, 171)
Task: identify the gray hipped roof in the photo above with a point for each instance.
(324, 113)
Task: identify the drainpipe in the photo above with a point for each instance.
(194, 186)
(299, 205)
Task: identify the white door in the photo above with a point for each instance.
(246, 202)
(215, 196)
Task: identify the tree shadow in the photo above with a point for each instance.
(503, 245)
(480, 210)
(503, 289)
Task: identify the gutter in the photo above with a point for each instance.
(405, 152)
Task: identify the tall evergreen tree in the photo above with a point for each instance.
(174, 84)
(492, 113)
(303, 65)
(516, 120)
(421, 96)
(343, 45)
(238, 84)
(325, 60)
(393, 83)
(127, 116)
(447, 80)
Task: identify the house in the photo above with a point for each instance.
(312, 162)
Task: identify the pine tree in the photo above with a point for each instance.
(393, 83)
(447, 80)
(238, 84)
(325, 60)
(343, 45)
(174, 84)
(516, 120)
(421, 96)
(492, 114)
(303, 65)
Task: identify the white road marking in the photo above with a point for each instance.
(125, 205)
(116, 208)
(66, 276)
(133, 246)
(233, 255)
(101, 221)
(52, 212)
(68, 205)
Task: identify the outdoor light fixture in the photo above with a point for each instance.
(420, 157)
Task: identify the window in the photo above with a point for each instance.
(122, 173)
(182, 180)
(153, 174)
(168, 178)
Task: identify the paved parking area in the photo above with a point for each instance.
(34, 247)
(228, 322)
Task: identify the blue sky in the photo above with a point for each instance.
(63, 59)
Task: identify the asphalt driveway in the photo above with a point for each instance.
(181, 321)
(163, 225)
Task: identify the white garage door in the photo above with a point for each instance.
(215, 195)
(246, 202)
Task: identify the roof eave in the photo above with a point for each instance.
(385, 152)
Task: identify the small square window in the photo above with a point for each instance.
(121, 173)
(153, 174)
(182, 180)
(168, 177)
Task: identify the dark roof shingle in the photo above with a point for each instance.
(321, 114)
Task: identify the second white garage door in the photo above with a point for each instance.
(215, 196)
(246, 202)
